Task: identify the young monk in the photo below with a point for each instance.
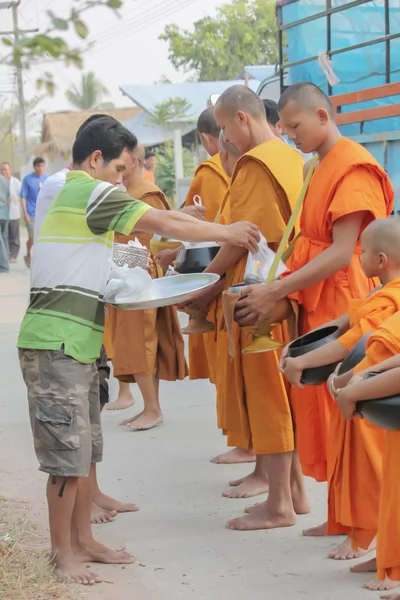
(356, 446)
(148, 345)
(348, 190)
(265, 185)
(383, 344)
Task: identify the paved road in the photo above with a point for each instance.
(182, 547)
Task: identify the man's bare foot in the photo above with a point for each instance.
(95, 552)
(380, 586)
(99, 515)
(234, 457)
(368, 566)
(264, 518)
(71, 571)
(146, 421)
(318, 531)
(247, 487)
(131, 419)
(124, 400)
(345, 551)
(113, 506)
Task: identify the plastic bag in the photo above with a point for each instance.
(130, 285)
(259, 264)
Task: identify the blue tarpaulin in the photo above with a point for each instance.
(356, 69)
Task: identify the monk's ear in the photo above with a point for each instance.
(383, 260)
(323, 116)
(242, 117)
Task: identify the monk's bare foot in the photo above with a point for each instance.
(368, 566)
(124, 400)
(390, 597)
(70, 570)
(345, 551)
(304, 507)
(318, 531)
(94, 552)
(131, 419)
(301, 503)
(99, 515)
(380, 586)
(114, 506)
(234, 457)
(264, 517)
(147, 420)
(247, 487)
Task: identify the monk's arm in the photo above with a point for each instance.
(386, 365)
(294, 367)
(226, 259)
(179, 226)
(382, 385)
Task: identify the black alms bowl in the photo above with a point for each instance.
(384, 412)
(313, 341)
(195, 260)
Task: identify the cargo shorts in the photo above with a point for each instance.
(64, 410)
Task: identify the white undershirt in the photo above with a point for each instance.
(50, 190)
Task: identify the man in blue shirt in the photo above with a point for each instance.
(31, 186)
(4, 218)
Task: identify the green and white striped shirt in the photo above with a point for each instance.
(70, 266)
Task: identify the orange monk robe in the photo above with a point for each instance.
(148, 175)
(210, 183)
(383, 344)
(107, 338)
(256, 413)
(347, 181)
(356, 446)
(148, 340)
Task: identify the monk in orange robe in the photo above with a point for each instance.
(383, 357)
(125, 397)
(357, 446)
(265, 184)
(147, 344)
(149, 164)
(348, 190)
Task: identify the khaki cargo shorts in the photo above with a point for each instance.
(64, 410)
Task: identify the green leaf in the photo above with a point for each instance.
(114, 3)
(58, 23)
(81, 29)
(6, 41)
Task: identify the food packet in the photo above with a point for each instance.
(259, 264)
(130, 285)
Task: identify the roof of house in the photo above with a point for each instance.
(59, 128)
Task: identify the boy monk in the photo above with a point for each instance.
(356, 447)
(265, 185)
(148, 345)
(384, 344)
(348, 190)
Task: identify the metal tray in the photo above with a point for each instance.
(174, 289)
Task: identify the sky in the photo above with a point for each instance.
(126, 50)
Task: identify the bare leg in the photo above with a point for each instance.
(253, 485)
(66, 565)
(234, 457)
(29, 245)
(369, 566)
(85, 548)
(301, 504)
(277, 511)
(108, 506)
(345, 550)
(151, 415)
(125, 398)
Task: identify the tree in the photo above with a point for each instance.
(165, 169)
(35, 49)
(172, 114)
(89, 94)
(243, 32)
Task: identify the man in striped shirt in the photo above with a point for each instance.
(61, 333)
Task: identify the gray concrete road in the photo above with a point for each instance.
(179, 537)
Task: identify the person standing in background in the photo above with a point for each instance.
(149, 164)
(4, 218)
(15, 211)
(31, 186)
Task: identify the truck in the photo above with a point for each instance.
(351, 50)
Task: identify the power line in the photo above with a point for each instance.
(142, 24)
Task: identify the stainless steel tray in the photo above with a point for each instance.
(174, 289)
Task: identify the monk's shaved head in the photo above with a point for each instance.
(240, 98)
(307, 97)
(207, 123)
(383, 235)
(140, 152)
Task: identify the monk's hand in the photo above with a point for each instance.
(199, 302)
(282, 361)
(347, 403)
(197, 212)
(165, 258)
(150, 266)
(357, 378)
(293, 371)
(256, 303)
(243, 234)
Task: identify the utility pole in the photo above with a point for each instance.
(20, 83)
